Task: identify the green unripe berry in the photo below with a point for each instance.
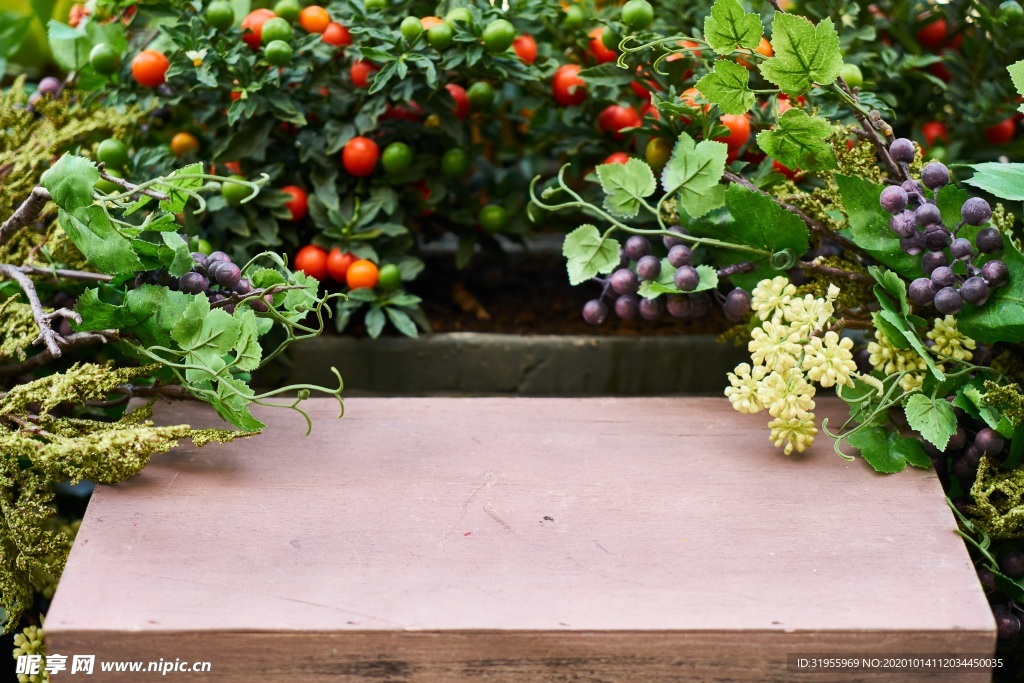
(411, 28)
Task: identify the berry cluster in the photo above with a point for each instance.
(215, 276)
(916, 220)
(637, 265)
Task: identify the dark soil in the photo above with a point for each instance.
(529, 294)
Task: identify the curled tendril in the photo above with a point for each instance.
(783, 260)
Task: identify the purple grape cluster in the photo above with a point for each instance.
(637, 264)
(213, 275)
(916, 220)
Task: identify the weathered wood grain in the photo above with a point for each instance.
(421, 540)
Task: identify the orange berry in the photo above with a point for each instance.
(314, 19)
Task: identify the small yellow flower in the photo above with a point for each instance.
(774, 345)
(912, 382)
(796, 433)
(949, 341)
(770, 297)
(786, 394)
(886, 358)
(743, 390)
(808, 315)
(197, 56)
(829, 361)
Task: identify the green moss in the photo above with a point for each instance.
(40, 447)
(998, 508)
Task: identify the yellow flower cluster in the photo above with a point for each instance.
(789, 351)
(30, 642)
(949, 342)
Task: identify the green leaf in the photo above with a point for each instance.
(756, 221)
(1016, 71)
(910, 450)
(626, 185)
(13, 30)
(799, 141)
(179, 258)
(805, 54)
(248, 352)
(609, 75)
(374, 321)
(892, 332)
(205, 336)
(171, 184)
(694, 171)
(728, 87)
(910, 335)
(69, 46)
(873, 444)
(729, 27)
(665, 284)
(589, 254)
(402, 322)
(71, 181)
(93, 234)
(99, 315)
(932, 418)
(870, 225)
(1005, 181)
(950, 200)
(232, 400)
(1001, 318)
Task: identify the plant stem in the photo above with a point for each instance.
(24, 214)
(866, 120)
(830, 271)
(60, 274)
(71, 342)
(132, 187)
(44, 320)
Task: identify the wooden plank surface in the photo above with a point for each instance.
(516, 539)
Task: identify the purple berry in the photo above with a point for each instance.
(218, 256)
(243, 287)
(199, 258)
(1007, 624)
(902, 150)
(976, 211)
(913, 245)
(701, 304)
(995, 273)
(679, 256)
(228, 275)
(637, 247)
(651, 309)
(975, 291)
(932, 260)
(912, 188)
(961, 249)
(989, 240)
(737, 305)
(625, 281)
(648, 267)
(893, 199)
(687, 278)
(989, 442)
(670, 242)
(935, 175)
(1013, 564)
(626, 306)
(193, 283)
(679, 305)
(903, 224)
(948, 301)
(943, 276)
(937, 237)
(49, 86)
(595, 312)
(921, 291)
(623, 259)
(926, 214)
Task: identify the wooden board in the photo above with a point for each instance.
(652, 539)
